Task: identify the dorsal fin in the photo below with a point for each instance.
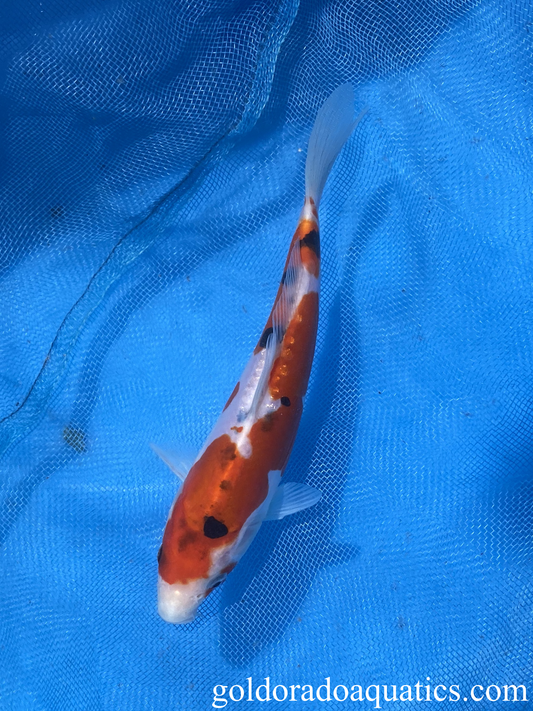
(271, 351)
(281, 315)
(290, 294)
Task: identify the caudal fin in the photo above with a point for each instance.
(333, 126)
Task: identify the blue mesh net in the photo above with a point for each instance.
(152, 173)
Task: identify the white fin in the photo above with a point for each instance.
(334, 124)
(179, 461)
(291, 498)
(290, 293)
(281, 317)
(262, 384)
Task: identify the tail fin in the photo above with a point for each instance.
(333, 126)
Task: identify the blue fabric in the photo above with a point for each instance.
(152, 161)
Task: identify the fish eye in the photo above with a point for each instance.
(213, 528)
(218, 580)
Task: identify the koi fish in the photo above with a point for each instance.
(234, 482)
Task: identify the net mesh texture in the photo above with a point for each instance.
(152, 162)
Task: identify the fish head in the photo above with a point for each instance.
(197, 557)
(189, 569)
(178, 602)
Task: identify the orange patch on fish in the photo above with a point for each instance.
(310, 260)
(186, 553)
(291, 369)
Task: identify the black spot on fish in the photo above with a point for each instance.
(312, 240)
(228, 454)
(286, 401)
(159, 553)
(188, 538)
(217, 584)
(288, 274)
(214, 528)
(267, 422)
(265, 335)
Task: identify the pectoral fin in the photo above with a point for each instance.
(180, 461)
(291, 498)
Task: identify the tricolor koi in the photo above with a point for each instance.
(234, 483)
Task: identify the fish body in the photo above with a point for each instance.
(234, 483)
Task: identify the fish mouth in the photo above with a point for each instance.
(175, 617)
(178, 603)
